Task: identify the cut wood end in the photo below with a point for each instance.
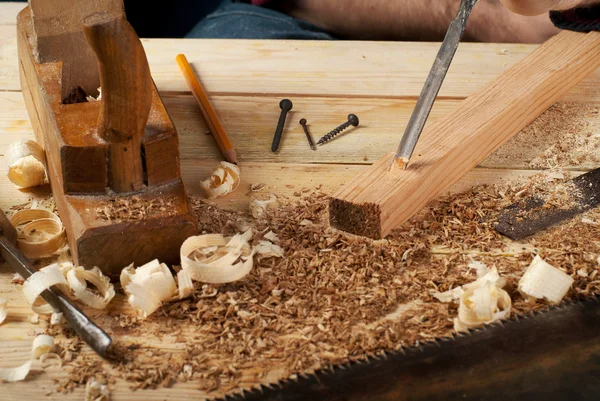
(360, 219)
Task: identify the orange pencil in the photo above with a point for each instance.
(214, 125)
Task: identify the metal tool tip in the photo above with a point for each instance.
(402, 162)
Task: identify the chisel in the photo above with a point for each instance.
(93, 335)
(432, 85)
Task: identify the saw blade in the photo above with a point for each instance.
(549, 355)
(531, 215)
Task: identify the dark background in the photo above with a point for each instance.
(165, 19)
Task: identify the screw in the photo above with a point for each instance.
(310, 140)
(285, 105)
(352, 120)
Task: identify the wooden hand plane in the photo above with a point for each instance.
(113, 159)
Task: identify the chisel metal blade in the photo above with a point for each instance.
(433, 83)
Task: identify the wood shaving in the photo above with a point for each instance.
(544, 281)
(224, 179)
(258, 208)
(327, 300)
(96, 391)
(214, 259)
(26, 163)
(566, 135)
(134, 208)
(40, 232)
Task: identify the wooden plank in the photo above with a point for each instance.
(380, 199)
(9, 11)
(250, 122)
(282, 179)
(17, 332)
(333, 69)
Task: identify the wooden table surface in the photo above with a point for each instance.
(378, 81)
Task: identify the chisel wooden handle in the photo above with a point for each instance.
(126, 96)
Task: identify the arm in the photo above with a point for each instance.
(420, 20)
(536, 7)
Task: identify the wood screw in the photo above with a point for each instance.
(310, 140)
(285, 105)
(352, 120)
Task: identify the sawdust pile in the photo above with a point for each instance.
(333, 296)
(134, 208)
(566, 135)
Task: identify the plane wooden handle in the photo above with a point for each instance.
(126, 96)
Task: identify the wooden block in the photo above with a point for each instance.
(380, 199)
(107, 227)
(58, 37)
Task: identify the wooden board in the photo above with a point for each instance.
(246, 81)
(386, 195)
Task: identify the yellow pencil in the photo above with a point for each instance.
(210, 116)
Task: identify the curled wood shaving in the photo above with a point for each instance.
(40, 232)
(40, 281)
(258, 208)
(51, 356)
(214, 259)
(56, 318)
(42, 345)
(3, 310)
(26, 163)
(482, 301)
(148, 286)
(544, 281)
(78, 277)
(96, 391)
(266, 249)
(480, 305)
(224, 179)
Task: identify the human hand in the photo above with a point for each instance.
(537, 7)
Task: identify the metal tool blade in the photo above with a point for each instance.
(549, 355)
(93, 335)
(433, 84)
(531, 215)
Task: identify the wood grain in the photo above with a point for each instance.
(330, 69)
(380, 199)
(126, 97)
(250, 122)
(247, 79)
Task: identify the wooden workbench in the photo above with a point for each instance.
(378, 81)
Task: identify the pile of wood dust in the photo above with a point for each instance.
(332, 298)
(566, 135)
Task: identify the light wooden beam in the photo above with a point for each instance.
(381, 199)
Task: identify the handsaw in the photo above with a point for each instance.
(549, 355)
(531, 215)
